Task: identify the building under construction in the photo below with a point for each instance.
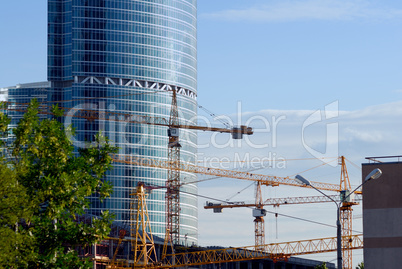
(136, 247)
(104, 253)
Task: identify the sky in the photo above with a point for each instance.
(316, 79)
(326, 74)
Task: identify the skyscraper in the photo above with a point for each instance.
(126, 56)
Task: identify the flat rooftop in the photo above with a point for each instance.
(384, 159)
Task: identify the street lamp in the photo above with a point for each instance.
(376, 173)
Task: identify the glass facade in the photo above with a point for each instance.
(19, 97)
(126, 56)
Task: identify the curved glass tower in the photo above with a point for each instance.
(126, 56)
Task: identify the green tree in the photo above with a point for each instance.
(321, 266)
(16, 244)
(360, 266)
(53, 185)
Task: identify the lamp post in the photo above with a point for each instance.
(376, 173)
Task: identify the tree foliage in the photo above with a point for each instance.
(360, 266)
(16, 244)
(321, 266)
(46, 190)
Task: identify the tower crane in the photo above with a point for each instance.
(143, 243)
(146, 257)
(173, 180)
(268, 180)
(346, 210)
(174, 165)
(173, 124)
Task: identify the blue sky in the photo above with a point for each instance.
(290, 59)
(299, 54)
(276, 58)
(267, 54)
(23, 46)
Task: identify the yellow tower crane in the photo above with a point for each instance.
(345, 210)
(258, 178)
(146, 257)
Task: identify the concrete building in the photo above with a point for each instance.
(126, 56)
(382, 213)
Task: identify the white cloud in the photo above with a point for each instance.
(283, 11)
(373, 131)
(366, 136)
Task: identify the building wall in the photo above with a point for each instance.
(124, 56)
(382, 216)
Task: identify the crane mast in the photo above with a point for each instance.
(173, 179)
(346, 215)
(259, 214)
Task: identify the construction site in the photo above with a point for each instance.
(134, 246)
(128, 69)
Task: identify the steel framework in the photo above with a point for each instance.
(284, 201)
(173, 179)
(346, 216)
(142, 240)
(259, 224)
(274, 251)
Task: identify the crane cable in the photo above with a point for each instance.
(271, 212)
(218, 118)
